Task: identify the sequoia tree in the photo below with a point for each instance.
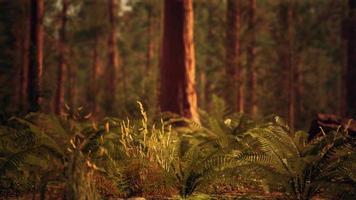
(35, 55)
(177, 64)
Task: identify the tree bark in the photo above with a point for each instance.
(23, 76)
(251, 101)
(351, 61)
(233, 70)
(291, 68)
(59, 98)
(35, 55)
(177, 74)
(72, 84)
(149, 51)
(93, 80)
(112, 67)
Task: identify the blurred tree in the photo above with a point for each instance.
(251, 98)
(113, 59)
(177, 64)
(35, 55)
(23, 45)
(234, 90)
(351, 60)
(59, 98)
(290, 62)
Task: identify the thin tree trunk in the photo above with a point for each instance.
(233, 70)
(35, 55)
(149, 51)
(59, 98)
(177, 63)
(343, 78)
(299, 87)
(112, 67)
(24, 58)
(72, 85)
(93, 83)
(291, 70)
(351, 61)
(147, 91)
(251, 101)
(208, 61)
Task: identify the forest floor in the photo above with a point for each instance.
(224, 193)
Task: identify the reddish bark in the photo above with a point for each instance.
(35, 55)
(177, 93)
(113, 64)
(59, 98)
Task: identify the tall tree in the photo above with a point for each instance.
(113, 64)
(35, 55)
(177, 93)
(234, 91)
(351, 60)
(59, 98)
(251, 100)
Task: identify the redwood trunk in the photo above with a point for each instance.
(35, 55)
(112, 67)
(251, 100)
(351, 61)
(59, 98)
(177, 63)
(233, 68)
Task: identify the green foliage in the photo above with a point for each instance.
(135, 157)
(301, 169)
(50, 149)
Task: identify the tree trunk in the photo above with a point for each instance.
(59, 98)
(24, 59)
(351, 61)
(208, 58)
(233, 70)
(177, 74)
(290, 66)
(149, 51)
(251, 101)
(35, 55)
(93, 83)
(112, 67)
(72, 85)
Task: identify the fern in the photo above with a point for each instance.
(305, 169)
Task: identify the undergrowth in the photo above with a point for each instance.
(171, 157)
